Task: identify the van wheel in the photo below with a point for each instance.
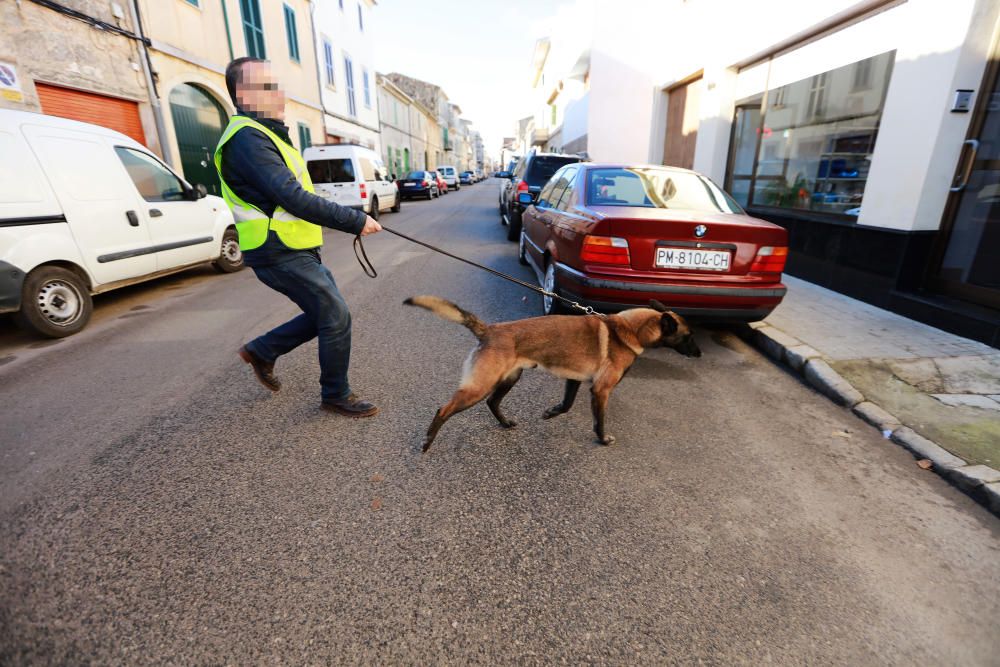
(374, 208)
(399, 203)
(231, 257)
(55, 303)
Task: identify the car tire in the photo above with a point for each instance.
(514, 228)
(373, 209)
(230, 256)
(503, 215)
(522, 249)
(430, 194)
(551, 306)
(399, 203)
(55, 302)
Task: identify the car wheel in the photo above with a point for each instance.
(399, 203)
(430, 194)
(374, 208)
(55, 303)
(514, 228)
(550, 306)
(522, 249)
(230, 257)
(503, 215)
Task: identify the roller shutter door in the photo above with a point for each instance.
(110, 112)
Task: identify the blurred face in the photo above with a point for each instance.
(260, 93)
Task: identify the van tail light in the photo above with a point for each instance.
(364, 191)
(522, 186)
(604, 250)
(769, 259)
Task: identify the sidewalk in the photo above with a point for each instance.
(933, 392)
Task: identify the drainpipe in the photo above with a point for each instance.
(229, 36)
(154, 95)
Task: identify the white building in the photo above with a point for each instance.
(846, 121)
(345, 55)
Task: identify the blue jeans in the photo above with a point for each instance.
(311, 287)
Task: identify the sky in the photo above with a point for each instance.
(478, 51)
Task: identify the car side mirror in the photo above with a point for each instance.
(200, 191)
(525, 198)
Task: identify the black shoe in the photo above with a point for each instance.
(352, 406)
(263, 371)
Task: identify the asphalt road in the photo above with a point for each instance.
(158, 506)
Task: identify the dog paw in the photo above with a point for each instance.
(553, 412)
(607, 440)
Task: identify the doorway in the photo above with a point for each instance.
(198, 123)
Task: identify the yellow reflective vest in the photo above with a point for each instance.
(252, 223)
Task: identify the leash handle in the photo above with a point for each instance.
(366, 264)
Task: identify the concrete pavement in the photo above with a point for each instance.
(935, 393)
(174, 511)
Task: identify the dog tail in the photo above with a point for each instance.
(449, 311)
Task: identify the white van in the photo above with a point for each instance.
(354, 176)
(450, 176)
(84, 210)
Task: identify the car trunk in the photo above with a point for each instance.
(665, 242)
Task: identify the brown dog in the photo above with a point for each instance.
(596, 348)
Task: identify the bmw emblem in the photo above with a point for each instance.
(700, 231)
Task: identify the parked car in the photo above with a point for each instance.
(615, 236)
(480, 175)
(84, 210)
(442, 186)
(466, 178)
(450, 176)
(421, 184)
(354, 176)
(530, 174)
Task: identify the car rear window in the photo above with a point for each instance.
(415, 176)
(542, 168)
(338, 170)
(649, 187)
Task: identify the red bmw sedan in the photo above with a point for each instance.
(615, 236)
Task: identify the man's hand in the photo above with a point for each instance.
(371, 226)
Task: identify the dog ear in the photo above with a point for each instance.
(668, 323)
(657, 306)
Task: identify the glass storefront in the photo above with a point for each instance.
(808, 145)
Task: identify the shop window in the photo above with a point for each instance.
(810, 141)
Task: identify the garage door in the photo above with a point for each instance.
(683, 108)
(110, 112)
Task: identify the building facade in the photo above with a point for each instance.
(86, 63)
(345, 52)
(443, 117)
(868, 129)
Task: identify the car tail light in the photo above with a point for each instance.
(364, 192)
(425, 184)
(769, 259)
(522, 186)
(604, 250)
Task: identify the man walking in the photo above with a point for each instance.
(267, 186)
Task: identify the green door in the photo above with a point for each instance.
(198, 122)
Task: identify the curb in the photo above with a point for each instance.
(981, 482)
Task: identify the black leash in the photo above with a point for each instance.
(369, 268)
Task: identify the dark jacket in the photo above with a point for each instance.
(253, 168)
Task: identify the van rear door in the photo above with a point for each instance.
(336, 179)
(98, 201)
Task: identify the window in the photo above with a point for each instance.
(292, 33)
(568, 195)
(352, 106)
(811, 149)
(193, 2)
(305, 137)
(368, 94)
(559, 186)
(328, 61)
(153, 181)
(657, 187)
(367, 169)
(339, 170)
(253, 28)
(361, 19)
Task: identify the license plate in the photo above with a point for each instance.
(692, 258)
(409, 184)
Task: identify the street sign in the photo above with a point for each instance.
(10, 85)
